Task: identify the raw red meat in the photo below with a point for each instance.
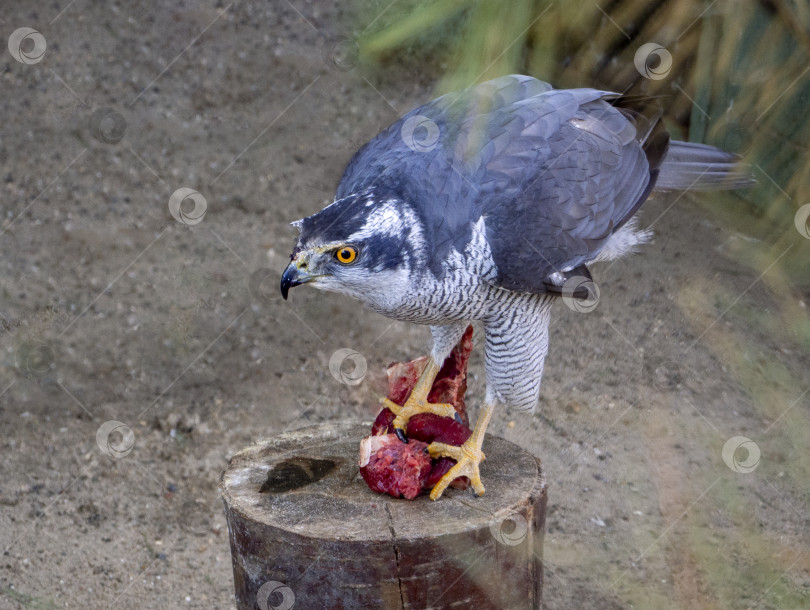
(390, 466)
(441, 467)
(450, 383)
(449, 387)
(429, 427)
(383, 423)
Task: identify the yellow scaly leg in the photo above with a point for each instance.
(417, 400)
(468, 456)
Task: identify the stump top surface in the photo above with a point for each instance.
(312, 487)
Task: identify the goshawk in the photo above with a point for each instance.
(482, 205)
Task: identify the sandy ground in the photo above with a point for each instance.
(112, 311)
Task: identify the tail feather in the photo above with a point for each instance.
(693, 166)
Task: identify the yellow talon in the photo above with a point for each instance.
(409, 409)
(417, 400)
(468, 457)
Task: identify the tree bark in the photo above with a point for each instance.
(306, 532)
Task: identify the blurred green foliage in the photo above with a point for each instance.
(739, 79)
(740, 76)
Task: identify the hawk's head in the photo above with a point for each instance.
(364, 245)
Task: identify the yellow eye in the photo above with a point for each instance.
(346, 254)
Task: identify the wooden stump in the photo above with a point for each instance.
(306, 531)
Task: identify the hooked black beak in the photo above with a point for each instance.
(293, 276)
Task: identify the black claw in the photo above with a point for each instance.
(457, 417)
(401, 435)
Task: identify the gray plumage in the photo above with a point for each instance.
(481, 203)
